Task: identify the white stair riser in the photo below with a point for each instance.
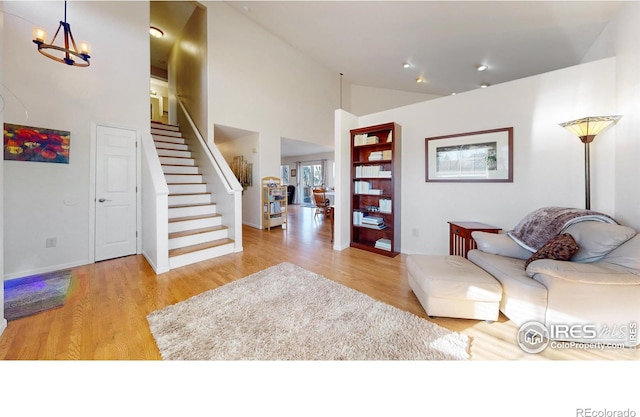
(203, 255)
(174, 152)
(174, 146)
(176, 212)
(182, 179)
(187, 188)
(172, 169)
(183, 200)
(168, 160)
(194, 224)
(165, 132)
(181, 242)
(169, 139)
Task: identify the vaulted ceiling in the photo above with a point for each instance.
(443, 42)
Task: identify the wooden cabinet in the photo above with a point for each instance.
(460, 240)
(375, 188)
(274, 203)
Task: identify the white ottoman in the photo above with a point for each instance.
(452, 286)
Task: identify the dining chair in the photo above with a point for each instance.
(321, 201)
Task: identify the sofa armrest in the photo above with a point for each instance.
(587, 273)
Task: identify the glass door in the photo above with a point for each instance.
(311, 177)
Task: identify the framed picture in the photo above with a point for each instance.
(37, 144)
(483, 156)
(294, 172)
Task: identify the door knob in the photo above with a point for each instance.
(102, 200)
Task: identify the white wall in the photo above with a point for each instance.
(627, 143)
(261, 84)
(251, 198)
(367, 100)
(548, 160)
(53, 200)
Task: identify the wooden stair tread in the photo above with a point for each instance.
(160, 148)
(180, 194)
(168, 136)
(198, 247)
(162, 142)
(191, 205)
(187, 218)
(196, 231)
(186, 183)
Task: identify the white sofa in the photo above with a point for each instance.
(599, 285)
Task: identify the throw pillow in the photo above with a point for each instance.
(561, 248)
(596, 239)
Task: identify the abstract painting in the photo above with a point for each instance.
(26, 143)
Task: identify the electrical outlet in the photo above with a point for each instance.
(50, 242)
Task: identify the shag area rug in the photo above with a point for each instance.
(288, 313)
(34, 294)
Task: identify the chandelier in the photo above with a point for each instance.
(69, 52)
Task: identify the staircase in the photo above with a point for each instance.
(196, 232)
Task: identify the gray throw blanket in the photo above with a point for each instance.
(541, 225)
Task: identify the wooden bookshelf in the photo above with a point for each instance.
(274, 203)
(375, 189)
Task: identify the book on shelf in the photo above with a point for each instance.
(357, 218)
(375, 156)
(383, 243)
(372, 220)
(374, 226)
(276, 207)
(385, 205)
(390, 137)
(371, 171)
(365, 139)
(364, 187)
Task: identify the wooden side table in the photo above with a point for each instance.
(460, 240)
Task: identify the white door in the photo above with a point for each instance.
(116, 201)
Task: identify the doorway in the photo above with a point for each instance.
(312, 176)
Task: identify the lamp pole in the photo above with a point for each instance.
(587, 176)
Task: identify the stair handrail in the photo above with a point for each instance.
(230, 182)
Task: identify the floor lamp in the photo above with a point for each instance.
(586, 129)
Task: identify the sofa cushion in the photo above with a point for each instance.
(599, 273)
(499, 244)
(626, 255)
(596, 239)
(561, 247)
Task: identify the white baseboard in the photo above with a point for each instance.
(156, 269)
(45, 270)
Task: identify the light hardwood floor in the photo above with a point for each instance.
(104, 316)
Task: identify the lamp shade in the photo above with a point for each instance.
(588, 127)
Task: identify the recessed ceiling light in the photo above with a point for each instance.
(155, 32)
(484, 85)
(246, 8)
(482, 67)
(453, 94)
(406, 65)
(420, 80)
